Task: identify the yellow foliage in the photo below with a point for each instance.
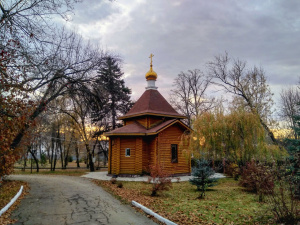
(238, 136)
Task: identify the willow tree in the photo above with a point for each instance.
(248, 85)
(237, 137)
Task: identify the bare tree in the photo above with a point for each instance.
(188, 95)
(26, 29)
(39, 59)
(71, 63)
(289, 100)
(249, 85)
(59, 136)
(77, 107)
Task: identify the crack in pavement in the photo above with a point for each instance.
(71, 200)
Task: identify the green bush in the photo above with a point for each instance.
(283, 202)
(233, 170)
(43, 159)
(70, 158)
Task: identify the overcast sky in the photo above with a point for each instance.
(186, 34)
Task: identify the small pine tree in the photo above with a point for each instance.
(202, 173)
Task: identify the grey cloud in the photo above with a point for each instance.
(186, 36)
(90, 11)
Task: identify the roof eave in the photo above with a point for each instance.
(171, 124)
(150, 133)
(124, 134)
(151, 114)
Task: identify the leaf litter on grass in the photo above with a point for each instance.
(225, 203)
(7, 191)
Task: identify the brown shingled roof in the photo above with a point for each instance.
(137, 129)
(133, 129)
(152, 102)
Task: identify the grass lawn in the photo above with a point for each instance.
(226, 203)
(45, 170)
(66, 172)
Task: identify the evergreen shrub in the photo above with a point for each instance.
(202, 173)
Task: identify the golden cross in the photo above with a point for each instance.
(151, 59)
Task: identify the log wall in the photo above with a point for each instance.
(138, 156)
(141, 120)
(153, 120)
(148, 148)
(145, 121)
(145, 151)
(172, 135)
(109, 155)
(127, 163)
(115, 156)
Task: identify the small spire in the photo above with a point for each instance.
(151, 55)
(151, 75)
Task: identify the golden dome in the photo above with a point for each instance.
(151, 74)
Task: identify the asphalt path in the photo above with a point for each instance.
(61, 200)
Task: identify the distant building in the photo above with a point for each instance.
(151, 135)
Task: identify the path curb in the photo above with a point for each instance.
(12, 201)
(150, 212)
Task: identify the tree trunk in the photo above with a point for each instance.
(55, 158)
(90, 158)
(66, 151)
(60, 147)
(105, 158)
(25, 160)
(61, 156)
(87, 161)
(66, 160)
(35, 159)
(40, 150)
(32, 117)
(91, 163)
(270, 133)
(40, 108)
(52, 153)
(77, 155)
(113, 113)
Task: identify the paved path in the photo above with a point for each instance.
(61, 200)
(103, 176)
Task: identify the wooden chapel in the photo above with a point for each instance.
(151, 135)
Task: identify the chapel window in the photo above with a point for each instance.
(127, 152)
(174, 153)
